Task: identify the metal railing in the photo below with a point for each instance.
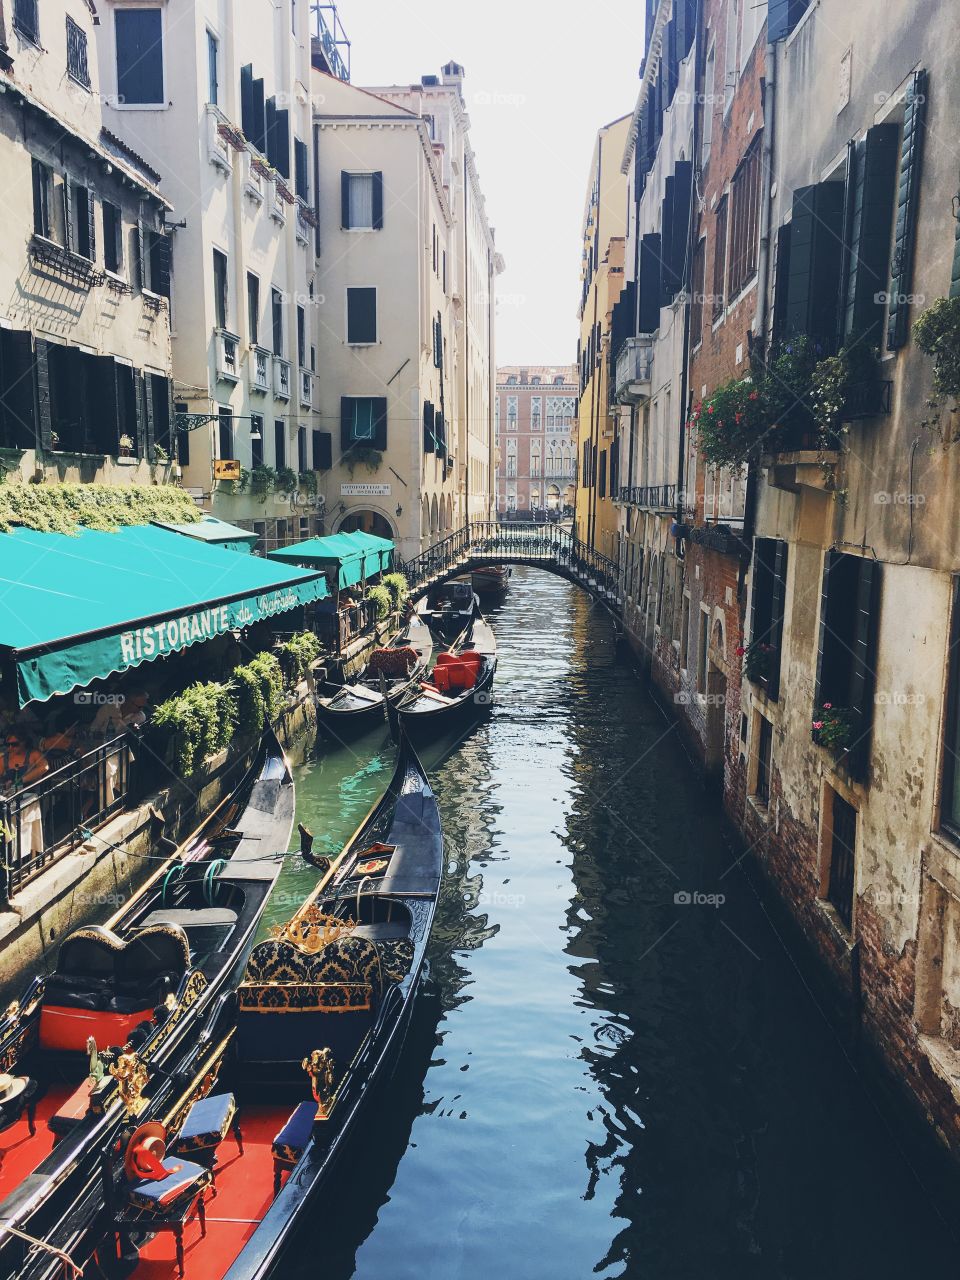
(546, 545)
(338, 630)
(44, 820)
(658, 497)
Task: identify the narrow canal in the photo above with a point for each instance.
(602, 1079)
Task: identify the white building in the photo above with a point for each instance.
(216, 96)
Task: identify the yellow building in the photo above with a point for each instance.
(598, 433)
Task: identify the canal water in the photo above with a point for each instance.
(615, 1070)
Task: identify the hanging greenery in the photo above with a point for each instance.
(259, 688)
(298, 652)
(262, 481)
(730, 424)
(399, 588)
(65, 508)
(308, 482)
(381, 600)
(286, 480)
(834, 727)
(363, 456)
(200, 722)
(937, 334)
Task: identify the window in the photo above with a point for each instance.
(77, 68)
(213, 68)
(112, 237)
(253, 308)
(870, 201)
(719, 259)
(158, 252)
(363, 421)
(301, 170)
(536, 407)
(361, 317)
(950, 803)
(139, 41)
(301, 337)
(25, 19)
(322, 451)
(745, 193)
(276, 319)
(279, 444)
(256, 440)
(842, 864)
(602, 488)
(535, 460)
(512, 403)
(703, 640)
(220, 288)
(761, 788)
(361, 201)
(226, 434)
(82, 236)
(730, 54)
(301, 449)
(767, 602)
(847, 646)
(697, 301)
(709, 82)
(783, 16)
(42, 181)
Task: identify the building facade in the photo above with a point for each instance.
(222, 109)
(85, 360)
(602, 278)
(535, 418)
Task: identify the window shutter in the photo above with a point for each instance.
(828, 563)
(149, 426)
(683, 176)
(140, 415)
(908, 196)
(667, 284)
(17, 410)
(68, 236)
(862, 675)
(301, 176)
(344, 200)
(43, 395)
(322, 450)
(955, 274)
(282, 148)
(259, 124)
(106, 426)
(781, 285)
(783, 16)
(346, 423)
(270, 131)
(686, 26)
(247, 119)
(378, 201)
(380, 423)
(871, 182)
(815, 238)
(92, 223)
(440, 435)
(776, 619)
(138, 238)
(160, 265)
(429, 443)
(648, 316)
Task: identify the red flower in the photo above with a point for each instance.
(709, 408)
(754, 395)
(828, 706)
(740, 651)
(738, 418)
(818, 724)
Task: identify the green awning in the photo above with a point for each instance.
(77, 609)
(214, 531)
(354, 555)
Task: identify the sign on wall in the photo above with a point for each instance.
(364, 491)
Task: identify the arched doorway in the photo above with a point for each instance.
(553, 497)
(434, 517)
(425, 518)
(367, 522)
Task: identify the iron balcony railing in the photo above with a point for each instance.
(77, 67)
(46, 819)
(655, 497)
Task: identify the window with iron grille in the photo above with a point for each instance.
(745, 215)
(764, 760)
(77, 54)
(25, 19)
(720, 259)
(843, 844)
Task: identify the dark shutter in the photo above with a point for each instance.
(160, 264)
(668, 287)
(781, 284)
(281, 160)
(270, 131)
(783, 16)
(344, 200)
(778, 606)
(648, 307)
(361, 315)
(44, 404)
(380, 423)
(145, 399)
(429, 443)
(683, 185)
(908, 196)
(871, 182)
(259, 138)
(92, 224)
(106, 425)
(140, 415)
(816, 234)
(302, 172)
(322, 450)
(686, 26)
(66, 192)
(829, 562)
(247, 120)
(377, 201)
(864, 657)
(346, 423)
(17, 391)
(138, 237)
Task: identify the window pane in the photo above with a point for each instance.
(211, 67)
(363, 419)
(361, 200)
(139, 56)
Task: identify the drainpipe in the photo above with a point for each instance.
(763, 268)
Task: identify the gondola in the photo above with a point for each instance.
(449, 608)
(387, 677)
(321, 1014)
(460, 685)
(134, 1009)
(491, 580)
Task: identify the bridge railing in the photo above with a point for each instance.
(488, 540)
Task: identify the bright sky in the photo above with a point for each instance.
(541, 78)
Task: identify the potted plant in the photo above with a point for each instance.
(363, 456)
(125, 447)
(757, 657)
(937, 334)
(731, 423)
(834, 727)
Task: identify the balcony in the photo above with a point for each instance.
(650, 497)
(306, 389)
(228, 356)
(259, 369)
(634, 368)
(281, 378)
(217, 132)
(255, 178)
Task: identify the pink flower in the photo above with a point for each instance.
(740, 651)
(818, 724)
(709, 408)
(738, 418)
(754, 395)
(828, 706)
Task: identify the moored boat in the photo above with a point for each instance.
(321, 1013)
(491, 580)
(134, 1008)
(387, 677)
(449, 609)
(459, 687)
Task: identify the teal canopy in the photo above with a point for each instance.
(77, 609)
(214, 531)
(354, 555)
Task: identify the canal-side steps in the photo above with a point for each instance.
(543, 546)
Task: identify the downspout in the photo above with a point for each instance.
(763, 269)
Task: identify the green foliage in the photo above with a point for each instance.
(200, 722)
(63, 508)
(399, 588)
(236, 487)
(937, 333)
(259, 690)
(298, 652)
(834, 727)
(361, 455)
(262, 481)
(308, 482)
(832, 383)
(381, 599)
(286, 480)
(730, 424)
(756, 660)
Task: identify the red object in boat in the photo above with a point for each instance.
(68, 1029)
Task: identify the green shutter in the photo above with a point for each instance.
(908, 196)
(649, 307)
(380, 423)
(17, 389)
(246, 102)
(259, 138)
(871, 184)
(346, 424)
(378, 201)
(781, 285)
(829, 561)
(43, 395)
(429, 443)
(816, 234)
(862, 677)
(777, 610)
(344, 200)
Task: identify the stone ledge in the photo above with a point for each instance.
(945, 1061)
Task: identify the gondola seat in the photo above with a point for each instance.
(207, 1123)
(456, 674)
(291, 1142)
(184, 1181)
